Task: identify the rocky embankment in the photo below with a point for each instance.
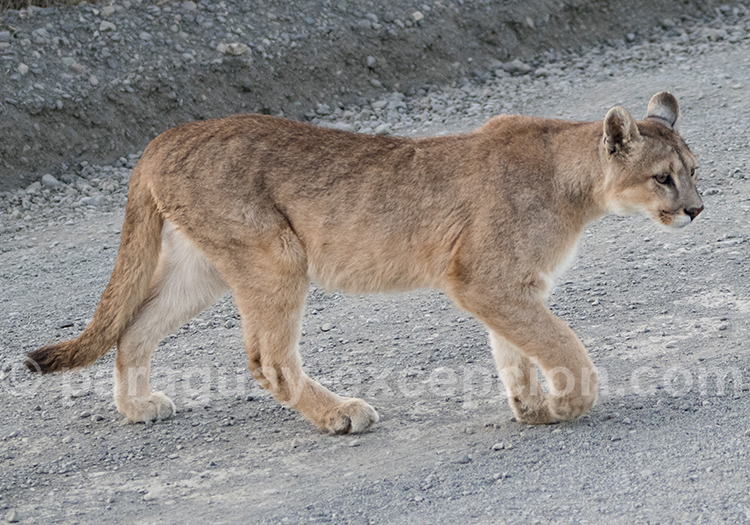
(94, 82)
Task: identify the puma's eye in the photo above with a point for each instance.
(692, 173)
(662, 178)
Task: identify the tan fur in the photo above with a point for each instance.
(262, 205)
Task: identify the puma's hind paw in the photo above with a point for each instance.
(350, 417)
(155, 407)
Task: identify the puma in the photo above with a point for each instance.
(261, 205)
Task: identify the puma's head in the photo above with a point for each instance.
(648, 167)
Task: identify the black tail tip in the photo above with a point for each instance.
(45, 360)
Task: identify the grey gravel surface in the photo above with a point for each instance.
(664, 315)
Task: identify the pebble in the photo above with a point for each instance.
(11, 517)
(50, 180)
(326, 327)
(498, 446)
(517, 67)
(383, 129)
(464, 459)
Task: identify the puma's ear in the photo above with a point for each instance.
(664, 109)
(620, 131)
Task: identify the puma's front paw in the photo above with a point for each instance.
(531, 410)
(350, 417)
(568, 408)
(141, 409)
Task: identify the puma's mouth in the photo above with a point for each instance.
(673, 220)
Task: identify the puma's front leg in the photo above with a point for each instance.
(518, 373)
(536, 333)
(523, 331)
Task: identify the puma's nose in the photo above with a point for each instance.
(693, 212)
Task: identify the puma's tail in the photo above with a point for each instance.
(125, 293)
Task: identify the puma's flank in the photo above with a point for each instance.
(261, 206)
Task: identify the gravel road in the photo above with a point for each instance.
(664, 315)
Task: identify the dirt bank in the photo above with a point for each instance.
(96, 82)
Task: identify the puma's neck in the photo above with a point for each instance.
(579, 171)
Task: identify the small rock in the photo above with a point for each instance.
(723, 326)
(107, 26)
(711, 191)
(4, 36)
(49, 180)
(498, 446)
(97, 417)
(173, 456)
(189, 6)
(149, 497)
(145, 36)
(99, 200)
(383, 129)
(355, 442)
(11, 517)
(23, 68)
(370, 61)
(747, 433)
(416, 16)
(236, 49)
(93, 80)
(374, 82)
(464, 459)
(108, 10)
(516, 67)
(326, 327)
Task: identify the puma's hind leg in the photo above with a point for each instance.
(270, 290)
(185, 283)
